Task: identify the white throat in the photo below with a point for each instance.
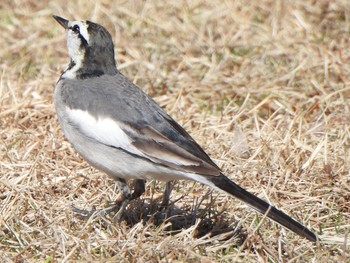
(74, 45)
(71, 73)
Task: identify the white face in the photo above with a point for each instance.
(76, 53)
(74, 41)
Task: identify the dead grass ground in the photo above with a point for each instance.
(262, 85)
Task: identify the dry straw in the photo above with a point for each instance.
(263, 86)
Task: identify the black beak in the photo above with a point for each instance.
(63, 22)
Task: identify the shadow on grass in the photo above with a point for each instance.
(173, 220)
(212, 223)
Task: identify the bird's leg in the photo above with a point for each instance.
(166, 197)
(139, 189)
(122, 200)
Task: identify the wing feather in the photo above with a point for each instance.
(115, 112)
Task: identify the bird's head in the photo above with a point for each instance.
(90, 48)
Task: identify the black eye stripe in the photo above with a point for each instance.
(75, 29)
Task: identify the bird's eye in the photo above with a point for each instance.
(75, 29)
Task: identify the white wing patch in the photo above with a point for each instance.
(104, 130)
(109, 132)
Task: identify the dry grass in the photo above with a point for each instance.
(262, 85)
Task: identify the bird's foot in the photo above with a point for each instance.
(117, 217)
(118, 206)
(82, 213)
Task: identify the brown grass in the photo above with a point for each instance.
(262, 85)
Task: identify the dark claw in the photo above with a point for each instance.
(83, 214)
(86, 214)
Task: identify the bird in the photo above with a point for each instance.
(118, 129)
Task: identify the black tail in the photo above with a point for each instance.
(230, 187)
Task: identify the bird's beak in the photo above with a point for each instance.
(63, 22)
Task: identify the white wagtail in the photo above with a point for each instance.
(121, 131)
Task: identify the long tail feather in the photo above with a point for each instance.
(230, 187)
